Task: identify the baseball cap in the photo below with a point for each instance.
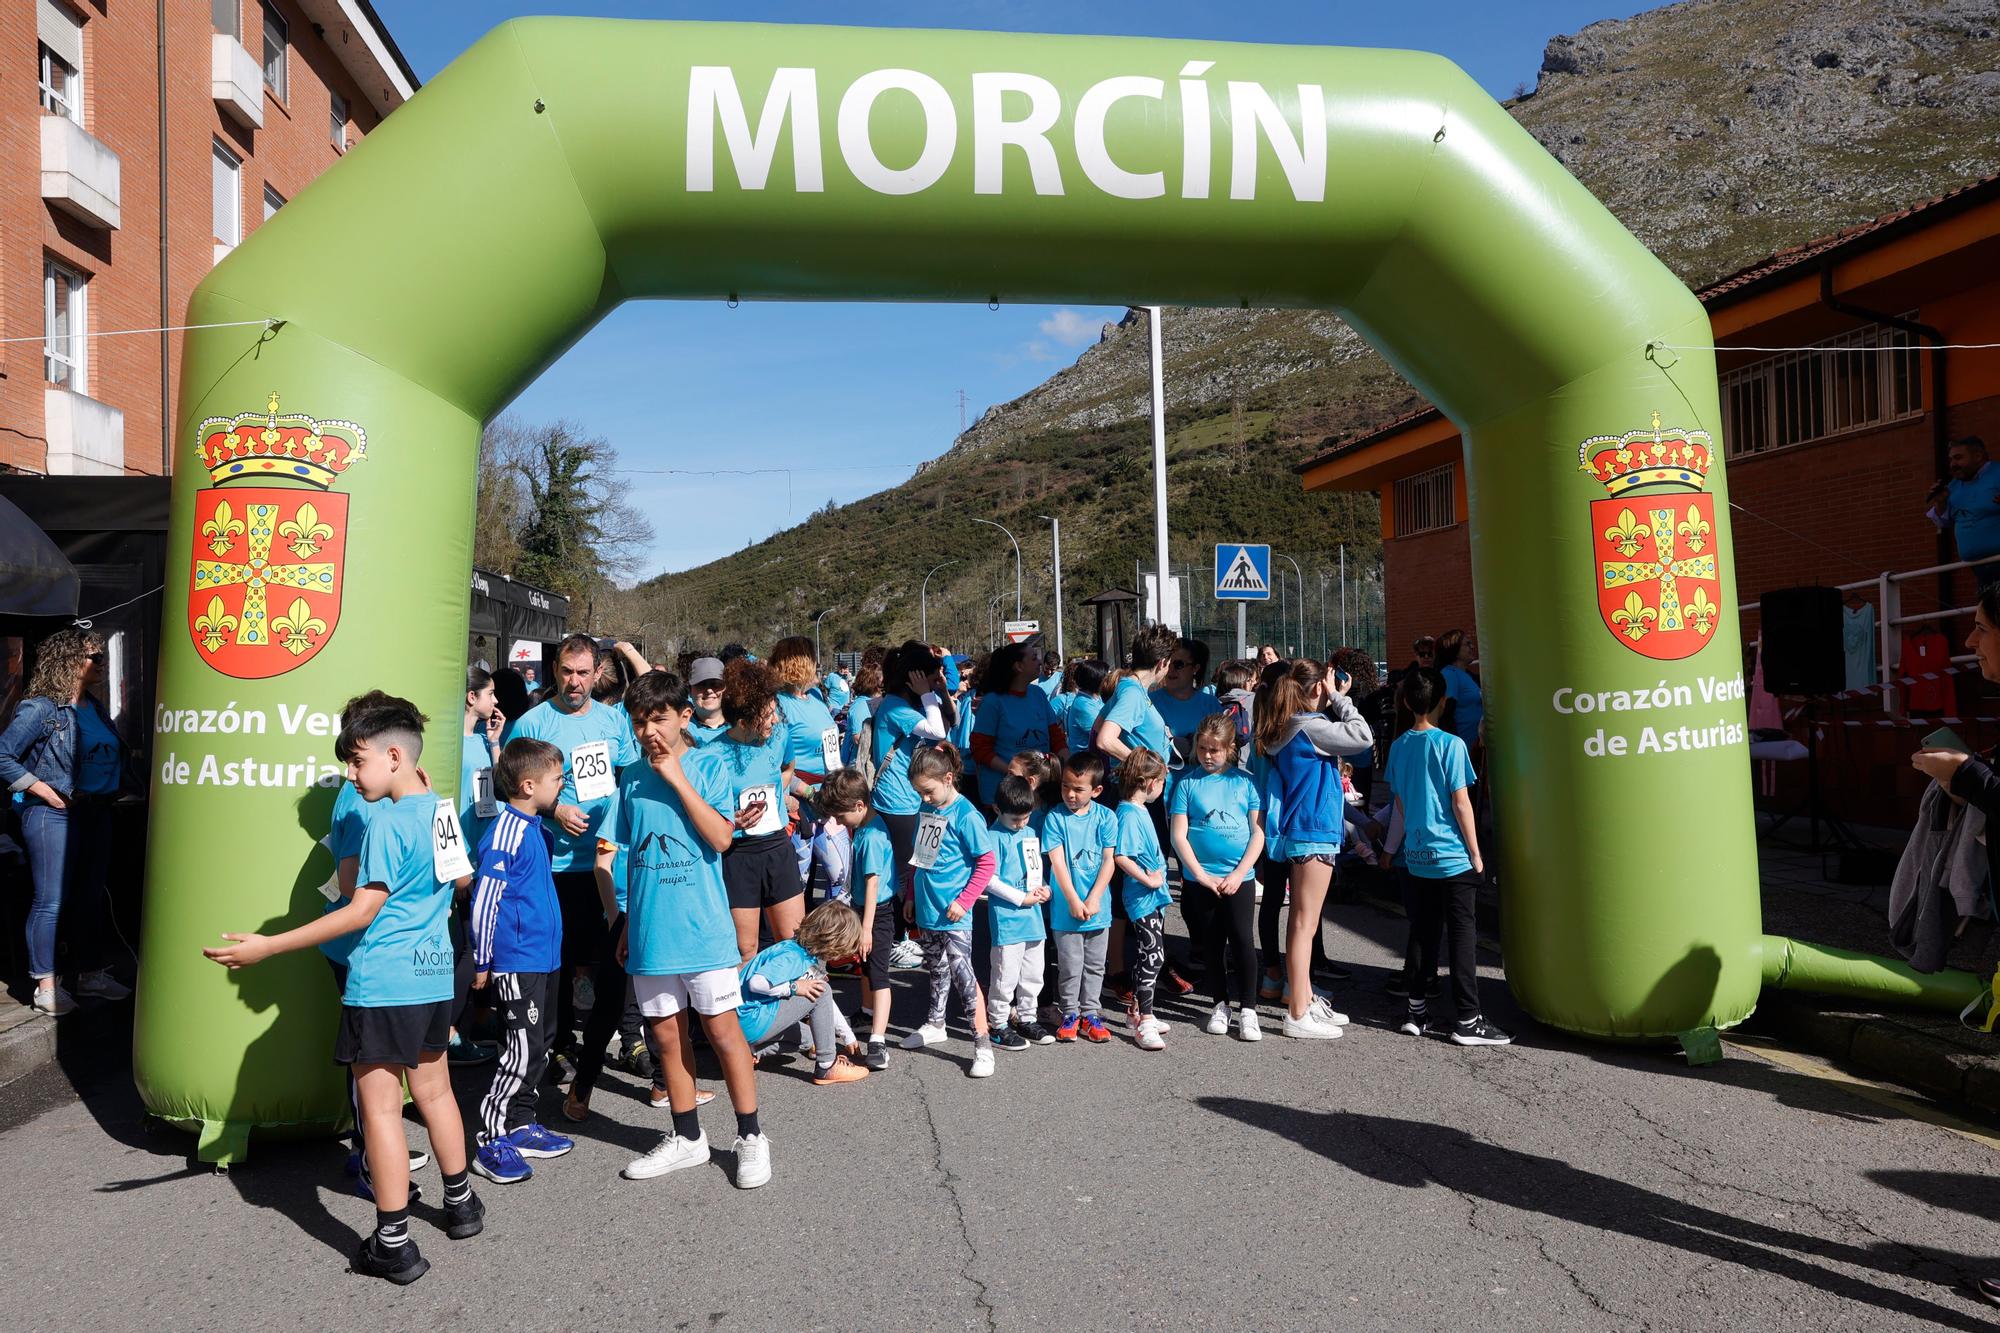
(704, 670)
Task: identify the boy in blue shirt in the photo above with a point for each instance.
(395, 1016)
(1014, 899)
(871, 892)
(1430, 775)
(1144, 891)
(1081, 839)
(517, 950)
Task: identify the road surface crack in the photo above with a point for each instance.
(982, 1297)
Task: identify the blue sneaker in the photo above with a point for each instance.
(500, 1162)
(539, 1141)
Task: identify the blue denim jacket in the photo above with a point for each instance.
(39, 745)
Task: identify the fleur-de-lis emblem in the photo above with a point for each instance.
(1658, 451)
(1635, 619)
(1694, 531)
(222, 530)
(1701, 613)
(297, 628)
(215, 625)
(306, 533)
(1629, 535)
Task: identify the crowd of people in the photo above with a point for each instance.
(659, 856)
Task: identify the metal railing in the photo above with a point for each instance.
(1890, 621)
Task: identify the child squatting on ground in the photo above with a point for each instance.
(786, 984)
(395, 1013)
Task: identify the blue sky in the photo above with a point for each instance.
(849, 398)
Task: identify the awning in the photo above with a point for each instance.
(36, 579)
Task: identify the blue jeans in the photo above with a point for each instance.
(69, 855)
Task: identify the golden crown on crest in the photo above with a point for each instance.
(290, 447)
(1673, 459)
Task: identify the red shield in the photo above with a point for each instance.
(1658, 571)
(264, 577)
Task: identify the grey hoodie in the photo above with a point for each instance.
(1344, 734)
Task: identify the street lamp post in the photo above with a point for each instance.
(1301, 617)
(1166, 609)
(816, 620)
(1017, 561)
(1056, 537)
(1323, 651)
(924, 604)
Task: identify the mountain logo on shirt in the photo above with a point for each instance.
(664, 851)
(1654, 553)
(269, 538)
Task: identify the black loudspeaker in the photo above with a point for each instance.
(1802, 643)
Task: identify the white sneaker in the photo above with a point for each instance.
(906, 954)
(753, 1161)
(982, 1063)
(1248, 1028)
(930, 1034)
(673, 1153)
(1149, 1035)
(53, 1001)
(1310, 1028)
(1326, 1013)
(102, 985)
(1218, 1021)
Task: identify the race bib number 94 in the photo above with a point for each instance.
(590, 770)
(448, 859)
(930, 837)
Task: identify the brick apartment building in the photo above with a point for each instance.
(113, 119)
(1830, 453)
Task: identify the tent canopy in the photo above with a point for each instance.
(36, 578)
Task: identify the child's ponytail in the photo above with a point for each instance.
(937, 761)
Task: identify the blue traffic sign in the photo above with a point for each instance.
(1242, 573)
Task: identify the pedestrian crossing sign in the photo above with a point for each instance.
(1242, 572)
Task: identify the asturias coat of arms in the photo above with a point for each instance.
(1657, 566)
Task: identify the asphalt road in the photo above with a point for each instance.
(1375, 1182)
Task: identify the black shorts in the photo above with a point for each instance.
(761, 872)
(582, 917)
(884, 941)
(395, 1034)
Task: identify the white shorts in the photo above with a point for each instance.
(717, 991)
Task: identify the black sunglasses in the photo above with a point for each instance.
(94, 657)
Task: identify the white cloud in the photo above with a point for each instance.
(1070, 329)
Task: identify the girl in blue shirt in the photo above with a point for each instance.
(954, 860)
(914, 710)
(1217, 824)
(1144, 891)
(1468, 705)
(1012, 716)
(761, 868)
(1083, 703)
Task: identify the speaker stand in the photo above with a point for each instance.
(1840, 836)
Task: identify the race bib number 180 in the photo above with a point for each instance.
(590, 770)
(448, 859)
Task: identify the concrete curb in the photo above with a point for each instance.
(26, 1047)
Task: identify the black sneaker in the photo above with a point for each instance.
(1479, 1032)
(1989, 1289)
(466, 1219)
(1413, 1023)
(878, 1055)
(1009, 1039)
(637, 1061)
(401, 1264)
(1036, 1033)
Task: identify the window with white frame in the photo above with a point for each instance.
(1424, 502)
(277, 43)
(227, 203)
(336, 124)
(63, 326)
(228, 17)
(1858, 380)
(59, 71)
(273, 201)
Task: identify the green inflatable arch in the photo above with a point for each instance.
(326, 463)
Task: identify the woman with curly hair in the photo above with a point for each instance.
(813, 747)
(62, 754)
(761, 868)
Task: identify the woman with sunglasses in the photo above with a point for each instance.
(63, 755)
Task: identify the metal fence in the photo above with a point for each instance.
(1320, 601)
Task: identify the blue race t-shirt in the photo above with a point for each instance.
(874, 855)
(96, 752)
(473, 759)
(1463, 691)
(1975, 512)
(786, 961)
(1050, 686)
(1182, 716)
(1018, 864)
(351, 816)
(1139, 723)
(1140, 844)
(567, 731)
(1016, 722)
(1079, 720)
(896, 741)
(753, 773)
(1425, 768)
(1085, 839)
(405, 956)
(702, 734)
(949, 842)
(677, 918)
(1218, 807)
(838, 691)
(812, 734)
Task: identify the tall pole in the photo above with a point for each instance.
(1301, 617)
(1167, 611)
(1055, 525)
(1343, 592)
(816, 619)
(1242, 629)
(1324, 652)
(924, 603)
(1017, 561)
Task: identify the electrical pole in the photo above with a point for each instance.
(1055, 528)
(961, 411)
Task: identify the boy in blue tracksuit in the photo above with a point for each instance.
(517, 950)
